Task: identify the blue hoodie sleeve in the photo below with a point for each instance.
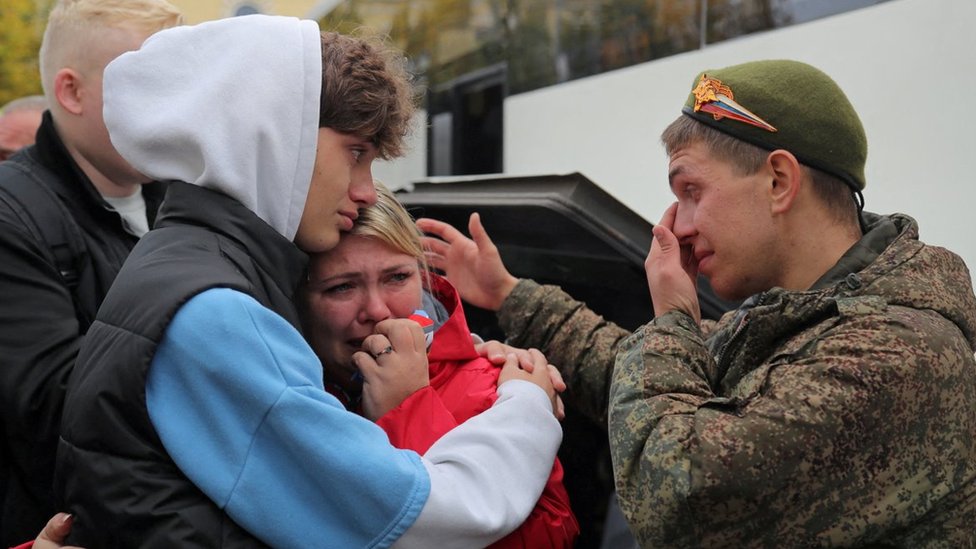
(236, 396)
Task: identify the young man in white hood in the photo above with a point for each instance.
(196, 416)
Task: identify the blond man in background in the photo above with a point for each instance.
(71, 209)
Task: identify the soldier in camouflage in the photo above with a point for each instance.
(837, 406)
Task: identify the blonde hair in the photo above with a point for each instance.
(74, 27)
(389, 222)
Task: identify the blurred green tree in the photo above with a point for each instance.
(345, 18)
(21, 28)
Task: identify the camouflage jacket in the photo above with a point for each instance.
(844, 415)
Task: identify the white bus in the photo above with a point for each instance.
(908, 66)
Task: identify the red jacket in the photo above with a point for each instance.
(462, 385)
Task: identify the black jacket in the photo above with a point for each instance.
(112, 468)
(41, 324)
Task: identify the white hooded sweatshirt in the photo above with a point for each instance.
(230, 105)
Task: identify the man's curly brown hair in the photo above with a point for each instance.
(366, 91)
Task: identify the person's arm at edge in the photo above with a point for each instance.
(39, 344)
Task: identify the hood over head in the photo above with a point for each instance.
(231, 105)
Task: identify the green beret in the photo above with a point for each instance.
(784, 105)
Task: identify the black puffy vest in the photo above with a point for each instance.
(112, 471)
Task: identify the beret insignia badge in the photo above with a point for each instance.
(715, 98)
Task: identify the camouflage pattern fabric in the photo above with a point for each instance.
(840, 416)
(584, 345)
(578, 341)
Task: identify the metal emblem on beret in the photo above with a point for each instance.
(715, 98)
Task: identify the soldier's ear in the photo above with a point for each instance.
(786, 180)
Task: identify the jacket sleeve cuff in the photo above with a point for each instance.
(677, 319)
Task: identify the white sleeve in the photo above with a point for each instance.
(487, 474)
